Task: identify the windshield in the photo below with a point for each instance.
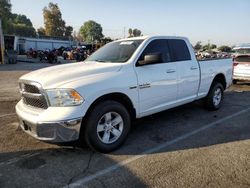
(119, 51)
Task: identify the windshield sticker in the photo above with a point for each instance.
(126, 43)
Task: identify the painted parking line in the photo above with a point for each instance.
(16, 159)
(112, 168)
(4, 115)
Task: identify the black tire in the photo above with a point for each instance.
(90, 127)
(234, 81)
(209, 100)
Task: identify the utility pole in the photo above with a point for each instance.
(124, 32)
(1, 44)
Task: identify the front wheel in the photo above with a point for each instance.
(214, 99)
(107, 126)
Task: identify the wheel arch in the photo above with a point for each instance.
(118, 97)
(221, 79)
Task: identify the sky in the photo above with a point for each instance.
(215, 21)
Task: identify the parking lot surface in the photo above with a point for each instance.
(186, 146)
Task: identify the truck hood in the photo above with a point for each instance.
(56, 76)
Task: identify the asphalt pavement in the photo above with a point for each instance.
(186, 146)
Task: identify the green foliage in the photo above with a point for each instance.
(5, 8)
(106, 40)
(21, 19)
(23, 30)
(134, 32)
(208, 47)
(15, 24)
(198, 46)
(130, 32)
(22, 26)
(5, 14)
(68, 31)
(91, 31)
(225, 48)
(41, 31)
(213, 46)
(53, 22)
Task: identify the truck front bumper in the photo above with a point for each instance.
(54, 131)
(61, 131)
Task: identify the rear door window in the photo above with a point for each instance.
(179, 50)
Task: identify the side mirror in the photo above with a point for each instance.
(151, 59)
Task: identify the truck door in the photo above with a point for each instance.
(189, 73)
(157, 82)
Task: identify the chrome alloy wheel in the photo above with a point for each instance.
(110, 127)
(217, 96)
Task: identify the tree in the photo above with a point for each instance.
(23, 30)
(225, 48)
(5, 15)
(213, 46)
(106, 40)
(41, 31)
(5, 8)
(15, 24)
(138, 33)
(206, 47)
(130, 32)
(68, 31)
(198, 46)
(53, 22)
(21, 19)
(22, 26)
(91, 31)
(134, 33)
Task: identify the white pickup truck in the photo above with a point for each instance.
(96, 100)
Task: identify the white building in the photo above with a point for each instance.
(22, 44)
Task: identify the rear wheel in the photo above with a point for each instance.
(214, 99)
(107, 126)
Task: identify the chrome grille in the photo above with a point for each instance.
(32, 95)
(31, 88)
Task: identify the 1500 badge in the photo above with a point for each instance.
(146, 85)
(141, 86)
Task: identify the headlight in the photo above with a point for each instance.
(64, 97)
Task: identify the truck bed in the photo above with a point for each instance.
(210, 68)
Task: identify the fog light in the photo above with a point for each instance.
(71, 123)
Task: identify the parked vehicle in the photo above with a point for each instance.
(241, 63)
(96, 101)
(31, 53)
(241, 71)
(76, 53)
(48, 56)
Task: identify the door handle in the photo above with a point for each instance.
(193, 68)
(170, 71)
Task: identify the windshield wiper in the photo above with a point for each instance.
(106, 61)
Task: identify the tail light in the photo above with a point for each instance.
(234, 65)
